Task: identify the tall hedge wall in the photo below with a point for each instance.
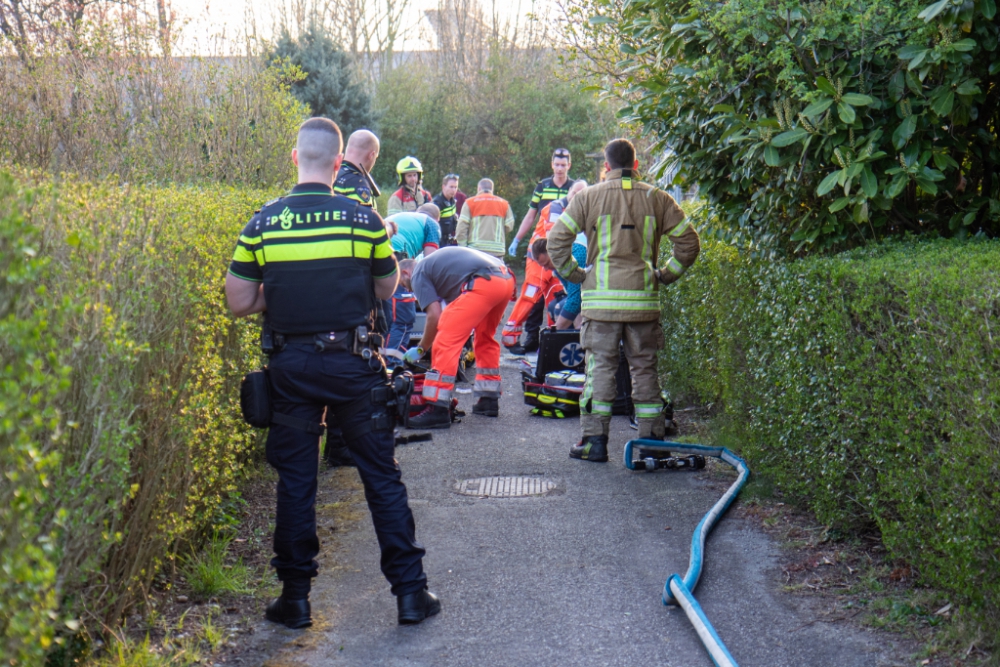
(120, 438)
(866, 385)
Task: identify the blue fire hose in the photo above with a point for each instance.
(679, 591)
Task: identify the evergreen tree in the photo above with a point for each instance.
(330, 88)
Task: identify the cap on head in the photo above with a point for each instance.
(318, 145)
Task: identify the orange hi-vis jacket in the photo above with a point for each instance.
(484, 223)
(546, 219)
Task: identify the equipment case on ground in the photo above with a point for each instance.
(560, 351)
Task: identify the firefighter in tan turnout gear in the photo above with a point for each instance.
(624, 221)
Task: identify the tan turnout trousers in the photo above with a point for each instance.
(642, 340)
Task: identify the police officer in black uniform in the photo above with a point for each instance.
(447, 204)
(316, 263)
(354, 179)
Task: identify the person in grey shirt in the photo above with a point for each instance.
(477, 288)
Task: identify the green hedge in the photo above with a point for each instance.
(865, 385)
(120, 437)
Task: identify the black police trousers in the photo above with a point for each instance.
(303, 383)
(533, 323)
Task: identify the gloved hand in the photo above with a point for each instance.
(512, 250)
(413, 355)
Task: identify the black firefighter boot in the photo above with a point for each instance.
(432, 416)
(487, 406)
(592, 448)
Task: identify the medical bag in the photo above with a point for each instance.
(554, 385)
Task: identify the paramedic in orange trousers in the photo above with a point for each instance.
(476, 288)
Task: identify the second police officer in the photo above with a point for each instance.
(316, 263)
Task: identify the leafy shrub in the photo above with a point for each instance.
(866, 385)
(121, 441)
(812, 125)
(34, 378)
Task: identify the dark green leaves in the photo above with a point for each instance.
(771, 156)
(942, 105)
(824, 84)
(869, 183)
(857, 100)
(904, 132)
(789, 138)
(799, 130)
(829, 183)
(931, 11)
(846, 112)
(818, 107)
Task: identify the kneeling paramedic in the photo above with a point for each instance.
(476, 287)
(316, 263)
(624, 221)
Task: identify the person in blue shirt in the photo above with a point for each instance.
(411, 234)
(566, 311)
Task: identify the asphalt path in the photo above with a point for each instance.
(573, 577)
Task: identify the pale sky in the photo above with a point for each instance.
(210, 19)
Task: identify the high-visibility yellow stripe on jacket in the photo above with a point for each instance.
(624, 221)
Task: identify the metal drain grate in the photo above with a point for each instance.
(505, 487)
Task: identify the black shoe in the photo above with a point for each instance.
(489, 407)
(592, 448)
(531, 346)
(292, 614)
(516, 349)
(415, 607)
(433, 416)
(340, 458)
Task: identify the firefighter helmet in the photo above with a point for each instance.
(407, 165)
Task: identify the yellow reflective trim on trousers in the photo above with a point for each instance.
(570, 223)
(242, 255)
(653, 409)
(603, 250)
(297, 252)
(588, 384)
(675, 266)
(602, 408)
(681, 228)
(648, 229)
